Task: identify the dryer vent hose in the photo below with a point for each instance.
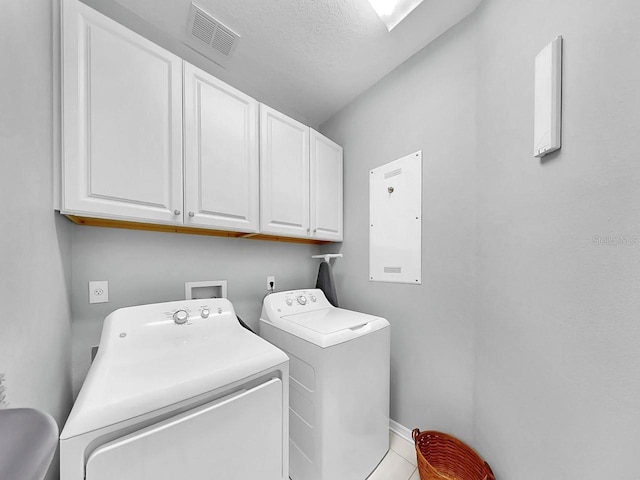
(244, 324)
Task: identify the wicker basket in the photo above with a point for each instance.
(443, 457)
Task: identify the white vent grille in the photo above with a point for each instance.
(211, 32)
(223, 40)
(203, 29)
(393, 173)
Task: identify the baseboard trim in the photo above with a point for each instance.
(400, 430)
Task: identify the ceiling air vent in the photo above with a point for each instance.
(207, 30)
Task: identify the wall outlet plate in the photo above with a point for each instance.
(99, 291)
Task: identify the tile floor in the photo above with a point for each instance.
(399, 463)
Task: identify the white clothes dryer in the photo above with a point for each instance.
(179, 390)
(339, 384)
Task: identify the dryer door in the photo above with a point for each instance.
(234, 438)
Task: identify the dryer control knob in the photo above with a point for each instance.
(205, 313)
(289, 302)
(180, 317)
(302, 300)
(312, 297)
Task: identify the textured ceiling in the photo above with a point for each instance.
(307, 58)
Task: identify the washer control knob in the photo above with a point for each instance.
(180, 317)
(302, 300)
(205, 313)
(312, 297)
(289, 302)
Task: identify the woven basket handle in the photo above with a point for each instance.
(415, 433)
(490, 475)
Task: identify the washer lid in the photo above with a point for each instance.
(330, 320)
(316, 320)
(330, 326)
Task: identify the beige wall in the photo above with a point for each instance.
(34, 243)
(553, 382)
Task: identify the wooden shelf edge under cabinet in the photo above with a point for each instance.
(102, 222)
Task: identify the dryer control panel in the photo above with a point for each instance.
(192, 311)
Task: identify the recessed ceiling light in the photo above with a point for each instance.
(392, 12)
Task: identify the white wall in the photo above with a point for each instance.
(45, 260)
(426, 104)
(149, 267)
(34, 243)
(554, 385)
(523, 337)
(558, 365)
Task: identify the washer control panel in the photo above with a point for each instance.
(296, 301)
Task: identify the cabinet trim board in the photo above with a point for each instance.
(155, 227)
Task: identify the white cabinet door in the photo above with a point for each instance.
(284, 175)
(122, 121)
(326, 188)
(221, 154)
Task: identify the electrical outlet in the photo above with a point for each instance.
(99, 291)
(271, 283)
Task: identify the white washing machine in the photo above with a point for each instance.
(339, 384)
(179, 390)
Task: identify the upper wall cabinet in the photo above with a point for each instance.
(325, 159)
(284, 174)
(300, 180)
(125, 105)
(221, 154)
(122, 121)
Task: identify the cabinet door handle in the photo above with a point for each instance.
(176, 212)
(191, 214)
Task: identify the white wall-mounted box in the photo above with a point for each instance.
(548, 99)
(205, 289)
(395, 221)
